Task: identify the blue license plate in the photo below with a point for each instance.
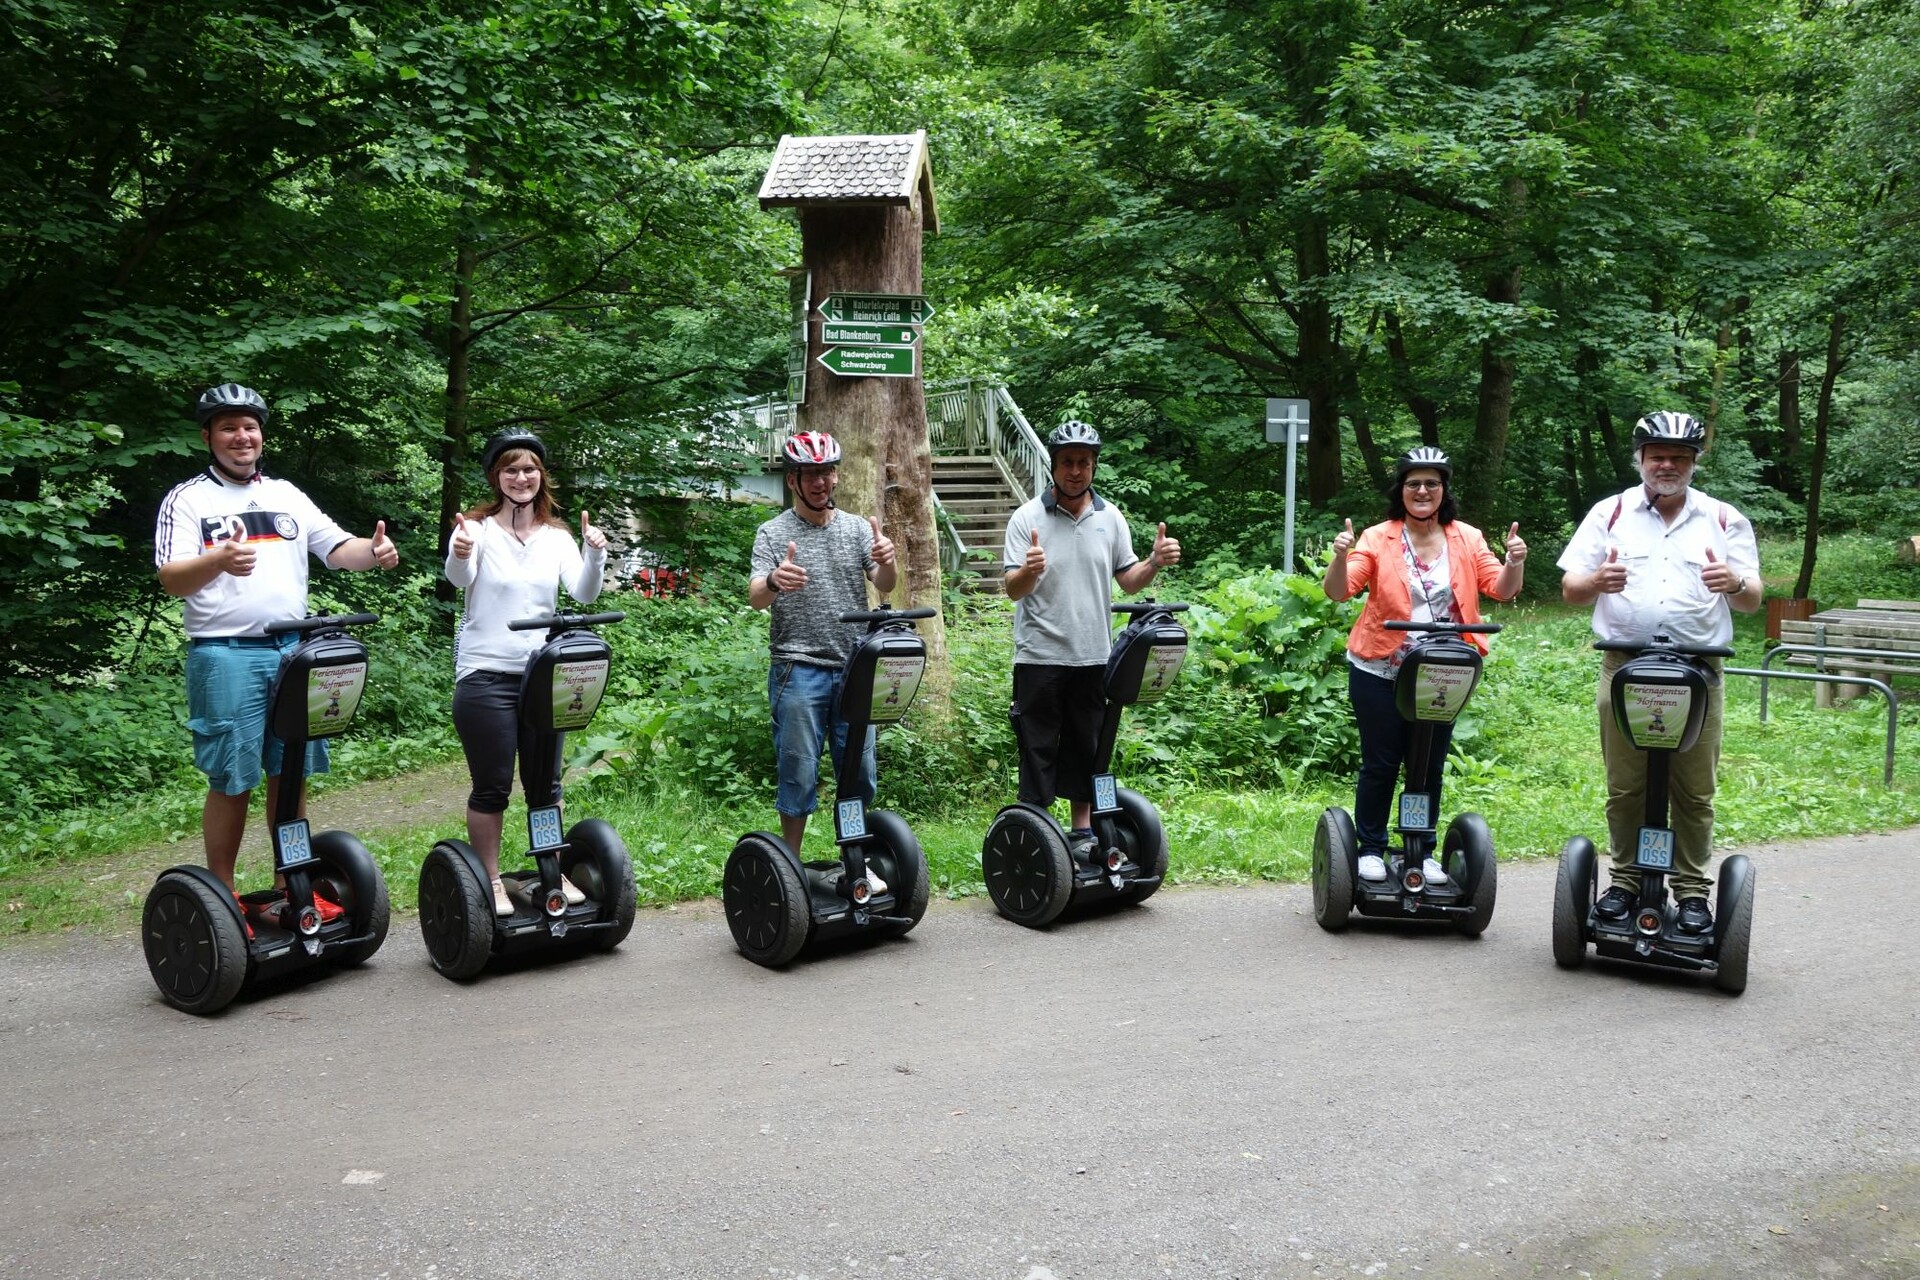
(1104, 800)
(543, 827)
(1655, 851)
(1416, 812)
(296, 843)
(851, 817)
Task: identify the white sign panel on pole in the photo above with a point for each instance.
(1287, 419)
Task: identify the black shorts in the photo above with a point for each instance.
(1056, 717)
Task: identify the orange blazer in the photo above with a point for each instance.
(1375, 562)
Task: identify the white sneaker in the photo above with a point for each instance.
(1436, 874)
(502, 904)
(571, 892)
(1373, 867)
(874, 881)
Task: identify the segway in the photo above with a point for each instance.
(561, 689)
(1437, 677)
(1659, 703)
(203, 946)
(1032, 871)
(778, 906)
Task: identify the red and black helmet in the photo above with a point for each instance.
(812, 449)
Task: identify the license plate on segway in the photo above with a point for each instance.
(292, 844)
(1416, 812)
(1104, 798)
(1655, 850)
(850, 820)
(543, 827)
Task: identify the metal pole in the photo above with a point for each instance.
(1287, 564)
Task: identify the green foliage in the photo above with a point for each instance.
(1277, 637)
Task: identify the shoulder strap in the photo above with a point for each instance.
(1619, 505)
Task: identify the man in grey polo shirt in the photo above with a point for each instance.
(1063, 551)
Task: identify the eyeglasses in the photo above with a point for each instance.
(1423, 484)
(520, 472)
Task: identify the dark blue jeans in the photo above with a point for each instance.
(1385, 740)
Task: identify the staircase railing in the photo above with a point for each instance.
(1015, 447)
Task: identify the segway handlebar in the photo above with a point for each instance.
(322, 621)
(888, 615)
(552, 621)
(1450, 628)
(1662, 644)
(1146, 606)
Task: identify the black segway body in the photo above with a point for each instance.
(204, 946)
(778, 905)
(1031, 872)
(1437, 678)
(1659, 703)
(560, 690)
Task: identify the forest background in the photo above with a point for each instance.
(1507, 229)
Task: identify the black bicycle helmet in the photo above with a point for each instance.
(1670, 427)
(229, 397)
(512, 438)
(1423, 458)
(1075, 434)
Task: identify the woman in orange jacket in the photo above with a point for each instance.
(1420, 564)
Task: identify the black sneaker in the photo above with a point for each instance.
(1694, 916)
(1082, 845)
(1615, 903)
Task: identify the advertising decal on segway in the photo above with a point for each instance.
(559, 692)
(777, 905)
(203, 945)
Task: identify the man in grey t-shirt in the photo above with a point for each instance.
(1063, 550)
(811, 564)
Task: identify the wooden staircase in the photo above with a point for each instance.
(978, 502)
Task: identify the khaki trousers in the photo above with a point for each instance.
(1690, 792)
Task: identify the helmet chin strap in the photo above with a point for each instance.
(830, 504)
(221, 468)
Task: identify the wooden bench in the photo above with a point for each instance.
(1888, 629)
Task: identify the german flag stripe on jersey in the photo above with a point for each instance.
(248, 526)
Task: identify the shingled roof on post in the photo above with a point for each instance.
(852, 169)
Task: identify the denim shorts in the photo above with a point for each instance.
(228, 686)
(806, 701)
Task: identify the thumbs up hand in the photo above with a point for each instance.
(462, 542)
(1036, 561)
(385, 554)
(1611, 577)
(882, 545)
(590, 535)
(1343, 541)
(1719, 577)
(1516, 549)
(788, 575)
(1166, 551)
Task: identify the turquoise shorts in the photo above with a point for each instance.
(229, 682)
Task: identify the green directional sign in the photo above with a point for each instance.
(876, 308)
(870, 335)
(869, 362)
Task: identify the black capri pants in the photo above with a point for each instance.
(486, 715)
(1056, 717)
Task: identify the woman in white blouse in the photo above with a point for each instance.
(510, 555)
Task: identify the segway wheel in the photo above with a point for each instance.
(456, 913)
(903, 866)
(1143, 838)
(1735, 904)
(362, 892)
(1028, 868)
(1467, 854)
(1573, 894)
(196, 947)
(599, 865)
(1335, 850)
(766, 902)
